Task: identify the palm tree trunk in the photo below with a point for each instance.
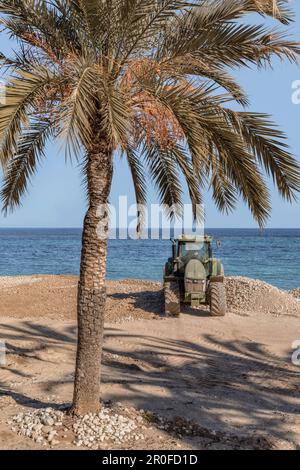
(91, 288)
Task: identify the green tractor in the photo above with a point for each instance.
(193, 276)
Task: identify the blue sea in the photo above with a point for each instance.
(272, 255)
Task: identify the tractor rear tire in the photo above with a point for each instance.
(217, 299)
(172, 299)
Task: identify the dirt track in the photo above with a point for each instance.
(231, 375)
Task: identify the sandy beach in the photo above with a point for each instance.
(207, 383)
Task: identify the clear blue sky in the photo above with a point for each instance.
(56, 197)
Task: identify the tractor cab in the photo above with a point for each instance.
(194, 246)
(188, 247)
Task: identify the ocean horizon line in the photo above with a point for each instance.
(149, 228)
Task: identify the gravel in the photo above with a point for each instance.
(39, 425)
(94, 429)
(121, 427)
(49, 426)
(249, 295)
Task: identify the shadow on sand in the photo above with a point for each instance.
(213, 381)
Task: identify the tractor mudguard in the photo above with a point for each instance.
(216, 270)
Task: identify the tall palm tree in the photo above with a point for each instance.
(148, 78)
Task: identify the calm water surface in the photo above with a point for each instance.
(272, 255)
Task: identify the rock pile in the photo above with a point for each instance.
(40, 425)
(47, 427)
(94, 429)
(249, 295)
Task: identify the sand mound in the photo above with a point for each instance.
(244, 294)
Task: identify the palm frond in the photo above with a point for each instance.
(269, 146)
(138, 175)
(212, 33)
(185, 163)
(194, 67)
(164, 172)
(224, 192)
(116, 115)
(77, 111)
(23, 164)
(198, 113)
(242, 171)
(153, 16)
(48, 25)
(22, 93)
(139, 182)
(236, 45)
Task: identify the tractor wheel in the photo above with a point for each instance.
(217, 299)
(172, 299)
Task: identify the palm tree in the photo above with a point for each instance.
(147, 78)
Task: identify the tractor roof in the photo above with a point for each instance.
(194, 238)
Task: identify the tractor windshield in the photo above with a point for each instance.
(200, 249)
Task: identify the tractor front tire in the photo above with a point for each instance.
(217, 299)
(172, 299)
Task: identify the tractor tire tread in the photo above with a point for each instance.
(217, 296)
